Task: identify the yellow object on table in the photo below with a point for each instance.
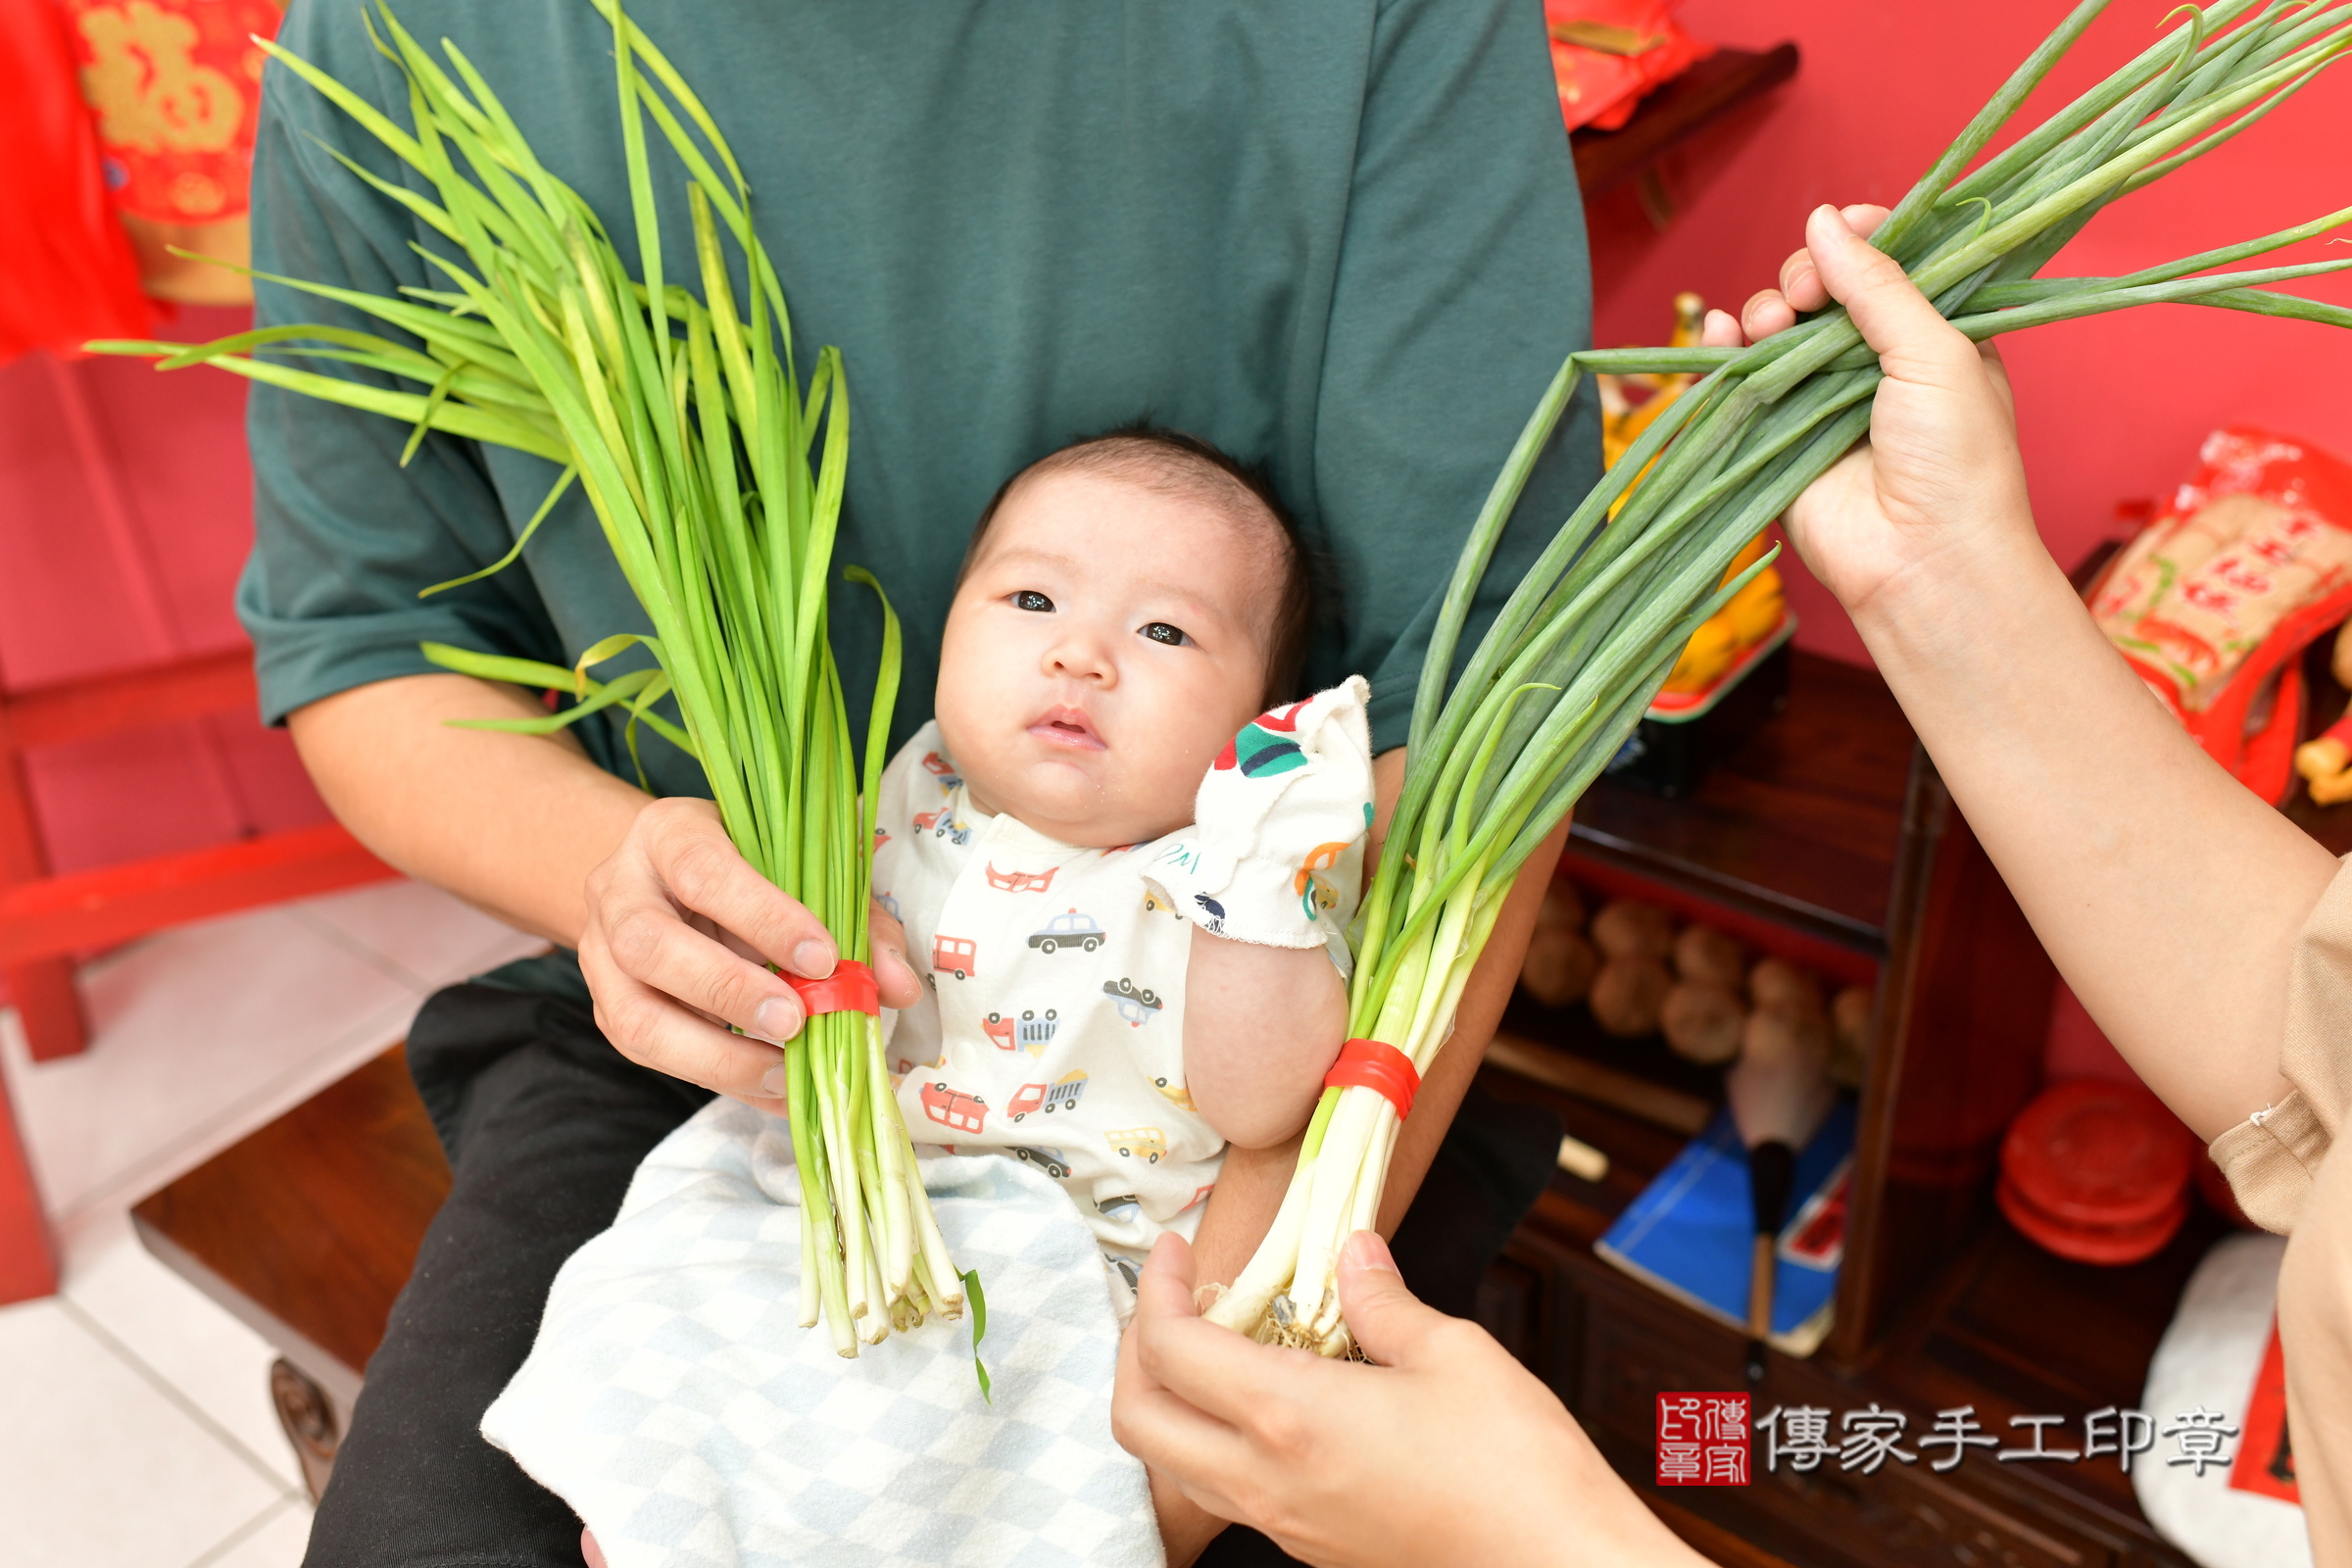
(1628, 405)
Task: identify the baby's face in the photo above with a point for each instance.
(1104, 647)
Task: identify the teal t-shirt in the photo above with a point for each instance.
(1340, 238)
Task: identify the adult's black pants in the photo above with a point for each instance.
(544, 1122)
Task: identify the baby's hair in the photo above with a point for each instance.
(1174, 463)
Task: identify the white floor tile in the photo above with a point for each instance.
(174, 1331)
(135, 1423)
(276, 1541)
(199, 1034)
(98, 1469)
(419, 934)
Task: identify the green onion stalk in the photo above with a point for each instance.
(1589, 636)
(717, 480)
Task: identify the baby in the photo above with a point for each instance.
(1124, 865)
(1110, 999)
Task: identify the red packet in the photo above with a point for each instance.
(1816, 1237)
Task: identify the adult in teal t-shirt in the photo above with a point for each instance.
(1339, 239)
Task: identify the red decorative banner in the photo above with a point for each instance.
(177, 86)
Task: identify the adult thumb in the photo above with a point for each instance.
(1388, 1321)
(1912, 340)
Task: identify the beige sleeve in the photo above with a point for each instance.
(2274, 1156)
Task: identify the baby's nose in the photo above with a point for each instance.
(1082, 659)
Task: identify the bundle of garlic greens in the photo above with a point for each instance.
(1589, 636)
(719, 481)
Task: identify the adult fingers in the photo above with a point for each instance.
(894, 976)
(633, 919)
(1913, 342)
(703, 870)
(1766, 311)
(1801, 275)
(1163, 1294)
(1801, 290)
(1204, 1459)
(1394, 1326)
(653, 1030)
(1153, 1422)
(1218, 1372)
(1170, 1276)
(1721, 330)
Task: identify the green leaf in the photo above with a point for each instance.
(553, 495)
(979, 1303)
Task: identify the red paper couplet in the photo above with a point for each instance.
(1379, 1067)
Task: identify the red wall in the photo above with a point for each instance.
(125, 511)
(2111, 409)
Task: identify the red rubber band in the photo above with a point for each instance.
(1376, 1066)
(850, 987)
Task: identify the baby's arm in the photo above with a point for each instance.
(1268, 874)
(2169, 895)
(1261, 1027)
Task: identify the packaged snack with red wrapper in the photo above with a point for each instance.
(1608, 53)
(2216, 598)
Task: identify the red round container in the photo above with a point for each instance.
(2111, 1245)
(2096, 1171)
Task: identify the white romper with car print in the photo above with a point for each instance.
(1052, 1028)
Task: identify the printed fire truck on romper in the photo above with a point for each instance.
(1052, 1024)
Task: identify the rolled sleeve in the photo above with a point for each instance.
(346, 534)
(2273, 1157)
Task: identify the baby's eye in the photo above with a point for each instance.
(1031, 598)
(1159, 631)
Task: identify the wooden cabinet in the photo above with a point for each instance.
(1830, 837)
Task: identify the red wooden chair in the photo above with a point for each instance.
(45, 921)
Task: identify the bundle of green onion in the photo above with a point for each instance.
(1592, 632)
(718, 484)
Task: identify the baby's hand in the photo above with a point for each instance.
(1941, 474)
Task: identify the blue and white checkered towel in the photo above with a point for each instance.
(674, 1401)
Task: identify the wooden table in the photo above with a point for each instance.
(306, 1231)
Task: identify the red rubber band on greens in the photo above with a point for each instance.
(1378, 1067)
(850, 987)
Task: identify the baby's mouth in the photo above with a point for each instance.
(1067, 727)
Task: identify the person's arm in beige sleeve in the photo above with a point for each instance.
(2209, 937)
(2169, 896)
